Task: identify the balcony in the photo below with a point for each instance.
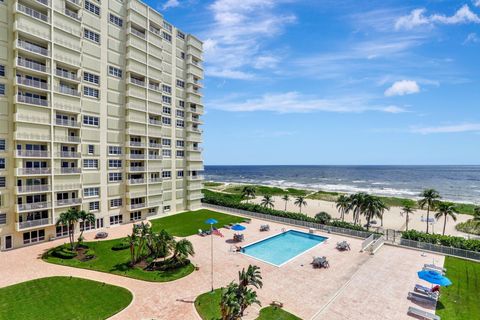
(137, 33)
(136, 169)
(154, 145)
(75, 2)
(68, 154)
(136, 181)
(155, 180)
(67, 75)
(33, 171)
(34, 188)
(72, 14)
(32, 100)
(32, 65)
(195, 178)
(33, 48)
(33, 223)
(135, 156)
(32, 83)
(136, 144)
(33, 206)
(136, 206)
(32, 13)
(195, 149)
(31, 136)
(193, 197)
(22, 117)
(67, 90)
(32, 154)
(155, 122)
(67, 123)
(154, 157)
(137, 82)
(68, 170)
(67, 186)
(68, 202)
(44, 2)
(73, 139)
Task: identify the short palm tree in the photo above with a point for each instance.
(69, 218)
(248, 192)
(300, 202)
(132, 241)
(429, 199)
(229, 303)
(286, 198)
(251, 277)
(407, 210)
(182, 249)
(343, 205)
(267, 201)
(85, 217)
(446, 209)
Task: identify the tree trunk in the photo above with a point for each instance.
(428, 216)
(368, 222)
(300, 208)
(285, 205)
(444, 224)
(406, 224)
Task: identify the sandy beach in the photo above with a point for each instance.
(392, 218)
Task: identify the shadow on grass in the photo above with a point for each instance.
(440, 305)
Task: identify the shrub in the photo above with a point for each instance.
(170, 264)
(323, 217)
(120, 246)
(63, 252)
(470, 226)
(448, 241)
(90, 254)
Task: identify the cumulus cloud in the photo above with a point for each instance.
(295, 102)
(472, 38)
(171, 4)
(402, 87)
(476, 3)
(456, 128)
(417, 17)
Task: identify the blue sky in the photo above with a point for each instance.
(337, 82)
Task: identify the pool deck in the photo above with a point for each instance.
(356, 286)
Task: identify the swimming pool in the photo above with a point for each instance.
(283, 247)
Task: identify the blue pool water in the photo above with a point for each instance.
(281, 248)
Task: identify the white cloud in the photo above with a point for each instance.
(472, 38)
(234, 41)
(402, 87)
(171, 4)
(476, 3)
(457, 128)
(418, 18)
(295, 102)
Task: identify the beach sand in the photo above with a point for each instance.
(392, 218)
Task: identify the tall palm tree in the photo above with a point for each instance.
(182, 249)
(248, 192)
(267, 201)
(357, 204)
(343, 205)
(430, 198)
(286, 198)
(407, 210)
(85, 217)
(132, 242)
(69, 218)
(446, 209)
(300, 202)
(373, 207)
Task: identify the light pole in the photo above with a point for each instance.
(211, 222)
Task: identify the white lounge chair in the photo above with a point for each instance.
(423, 314)
(420, 297)
(425, 290)
(435, 268)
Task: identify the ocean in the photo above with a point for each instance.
(455, 183)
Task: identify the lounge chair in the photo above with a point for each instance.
(420, 297)
(425, 290)
(203, 233)
(265, 227)
(101, 235)
(342, 246)
(435, 268)
(238, 237)
(422, 314)
(320, 262)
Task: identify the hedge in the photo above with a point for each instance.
(447, 241)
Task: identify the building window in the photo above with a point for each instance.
(114, 150)
(91, 149)
(2, 70)
(114, 164)
(135, 215)
(94, 206)
(90, 35)
(115, 176)
(167, 36)
(167, 110)
(2, 89)
(167, 26)
(180, 153)
(166, 89)
(167, 100)
(91, 121)
(180, 174)
(33, 236)
(86, 225)
(62, 231)
(166, 142)
(3, 218)
(166, 174)
(180, 113)
(92, 8)
(182, 55)
(3, 182)
(114, 203)
(90, 163)
(180, 123)
(167, 153)
(180, 143)
(181, 104)
(181, 35)
(90, 77)
(91, 92)
(3, 145)
(166, 121)
(180, 83)
(166, 208)
(115, 20)
(2, 163)
(118, 219)
(91, 192)
(116, 72)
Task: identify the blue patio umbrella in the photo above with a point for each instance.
(238, 227)
(434, 277)
(211, 221)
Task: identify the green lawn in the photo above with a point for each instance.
(460, 301)
(59, 298)
(116, 262)
(187, 223)
(208, 307)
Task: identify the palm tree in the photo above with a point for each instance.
(300, 202)
(446, 209)
(267, 201)
(85, 217)
(286, 198)
(430, 198)
(373, 207)
(407, 210)
(248, 192)
(343, 204)
(476, 214)
(69, 218)
(357, 203)
(229, 303)
(182, 249)
(251, 277)
(132, 242)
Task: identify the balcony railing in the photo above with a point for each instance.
(33, 223)
(67, 90)
(154, 157)
(197, 177)
(136, 181)
(68, 202)
(33, 48)
(67, 123)
(154, 86)
(72, 14)
(137, 33)
(32, 13)
(67, 186)
(76, 2)
(44, 2)
(155, 122)
(137, 206)
(75, 139)
(136, 156)
(31, 64)
(155, 180)
(33, 153)
(32, 100)
(69, 170)
(65, 74)
(137, 82)
(34, 188)
(32, 83)
(155, 145)
(33, 206)
(34, 171)
(68, 154)
(136, 169)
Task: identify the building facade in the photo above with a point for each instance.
(100, 105)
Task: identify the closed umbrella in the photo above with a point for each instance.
(238, 227)
(434, 277)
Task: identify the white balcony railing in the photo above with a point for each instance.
(155, 180)
(66, 74)
(33, 153)
(32, 83)
(136, 181)
(136, 144)
(32, 13)
(136, 156)
(137, 169)
(33, 223)
(137, 82)
(67, 123)
(33, 48)
(155, 145)
(68, 202)
(33, 171)
(154, 157)
(137, 206)
(33, 206)
(137, 33)
(31, 65)
(32, 100)
(72, 14)
(68, 170)
(67, 90)
(68, 154)
(197, 177)
(34, 188)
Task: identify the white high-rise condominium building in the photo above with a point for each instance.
(100, 104)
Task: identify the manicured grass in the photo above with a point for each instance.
(208, 307)
(187, 223)
(60, 298)
(212, 184)
(460, 300)
(263, 190)
(469, 226)
(116, 262)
